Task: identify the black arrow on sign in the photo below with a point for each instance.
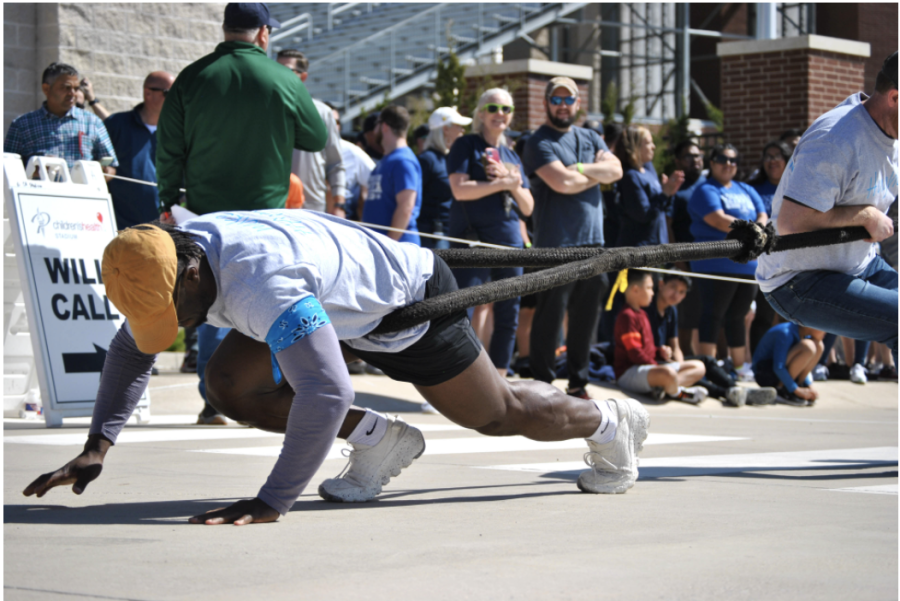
(84, 363)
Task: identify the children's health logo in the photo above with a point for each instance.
(43, 221)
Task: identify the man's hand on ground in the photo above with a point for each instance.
(251, 511)
(80, 471)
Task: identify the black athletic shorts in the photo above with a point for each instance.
(764, 374)
(445, 351)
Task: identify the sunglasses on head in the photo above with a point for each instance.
(160, 90)
(503, 108)
(558, 100)
(722, 160)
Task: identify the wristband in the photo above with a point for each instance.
(94, 101)
(340, 205)
(580, 167)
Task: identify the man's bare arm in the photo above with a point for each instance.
(565, 180)
(606, 169)
(796, 218)
(406, 201)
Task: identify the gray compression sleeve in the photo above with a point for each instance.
(126, 373)
(323, 393)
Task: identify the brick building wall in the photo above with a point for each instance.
(770, 86)
(527, 80)
(114, 45)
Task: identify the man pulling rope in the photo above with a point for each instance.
(303, 293)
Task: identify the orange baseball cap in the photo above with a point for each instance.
(139, 270)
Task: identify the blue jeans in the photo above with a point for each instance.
(862, 308)
(208, 340)
(506, 313)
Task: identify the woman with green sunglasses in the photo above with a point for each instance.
(488, 195)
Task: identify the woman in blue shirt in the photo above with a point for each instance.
(446, 125)
(484, 191)
(643, 201)
(775, 157)
(713, 206)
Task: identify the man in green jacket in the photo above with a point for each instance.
(227, 133)
(231, 122)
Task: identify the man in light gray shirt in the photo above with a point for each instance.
(842, 173)
(318, 170)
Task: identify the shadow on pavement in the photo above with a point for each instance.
(680, 474)
(154, 513)
(175, 512)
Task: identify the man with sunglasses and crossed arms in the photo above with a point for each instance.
(567, 165)
(133, 135)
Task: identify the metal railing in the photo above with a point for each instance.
(377, 64)
(292, 27)
(341, 8)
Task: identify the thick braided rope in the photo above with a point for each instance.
(747, 241)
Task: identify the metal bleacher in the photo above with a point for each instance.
(360, 52)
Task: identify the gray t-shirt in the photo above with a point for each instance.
(562, 220)
(265, 261)
(843, 159)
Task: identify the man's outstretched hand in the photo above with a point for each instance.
(79, 472)
(251, 511)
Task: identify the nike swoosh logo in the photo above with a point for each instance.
(369, 433)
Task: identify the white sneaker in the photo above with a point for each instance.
(858, 374)
(820, 373)
(614, 465)
(691, 394)
(429, 409)
(745, 373)
(371, 467)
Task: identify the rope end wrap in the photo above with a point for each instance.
(755, 239)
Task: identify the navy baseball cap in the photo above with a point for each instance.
(889, 68)
(248, 15)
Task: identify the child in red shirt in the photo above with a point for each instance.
(636, 355)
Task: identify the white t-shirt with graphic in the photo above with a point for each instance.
(843, 159)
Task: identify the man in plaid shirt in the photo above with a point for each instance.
(59, 128)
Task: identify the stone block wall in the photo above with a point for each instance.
(19, 55)
(114, 45)
(770, 86)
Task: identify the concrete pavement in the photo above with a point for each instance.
(773, 502)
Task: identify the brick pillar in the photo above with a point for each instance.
(770, 86)
(526, 80)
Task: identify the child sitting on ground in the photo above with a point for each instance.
(663, 316)
(785, 358)
(636, 354)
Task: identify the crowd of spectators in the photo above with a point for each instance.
(562, 185)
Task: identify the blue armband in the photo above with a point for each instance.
(302, 319)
